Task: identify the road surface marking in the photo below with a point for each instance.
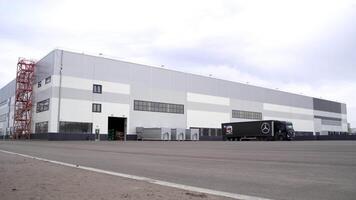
(149, 180)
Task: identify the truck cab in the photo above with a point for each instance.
(283, 130)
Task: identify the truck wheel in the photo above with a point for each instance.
(280, 138)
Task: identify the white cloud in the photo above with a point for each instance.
(10, 51)
(239, 40)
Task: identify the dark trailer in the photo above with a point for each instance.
(259, 130)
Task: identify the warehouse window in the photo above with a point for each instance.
(205, 132)
(158, 107)
(48, 80)
(212, 132)
(96, 107)
(331, 122)
(39, 84)
(333, 133)
(246, 114)
(97, 88)
(41, 127)
(42, 106)
(75, 127)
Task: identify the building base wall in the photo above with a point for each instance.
(73, 136)
(104, 137)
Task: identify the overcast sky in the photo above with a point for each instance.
(303, 46)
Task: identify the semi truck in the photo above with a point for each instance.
(258, 130)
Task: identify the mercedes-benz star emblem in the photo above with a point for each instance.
(228, 129)
(265, 127)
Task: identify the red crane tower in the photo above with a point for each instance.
(23, 98)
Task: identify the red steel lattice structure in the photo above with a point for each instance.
(23, 98)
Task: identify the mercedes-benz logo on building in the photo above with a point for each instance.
(265, 128)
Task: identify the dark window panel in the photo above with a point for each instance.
(96, 107)
(246, 114)
(97, 88)
(41, 127)
(75, 127)
(158, 107)
(42, 106)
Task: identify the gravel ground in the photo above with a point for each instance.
(29, 179)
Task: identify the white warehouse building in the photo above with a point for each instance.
(78, 93)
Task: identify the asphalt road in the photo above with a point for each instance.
(277, 170)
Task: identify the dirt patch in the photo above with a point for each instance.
(24, 178)
(200, 195)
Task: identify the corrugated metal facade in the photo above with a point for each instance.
(207, 101)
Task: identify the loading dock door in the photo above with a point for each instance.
(117, 128)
